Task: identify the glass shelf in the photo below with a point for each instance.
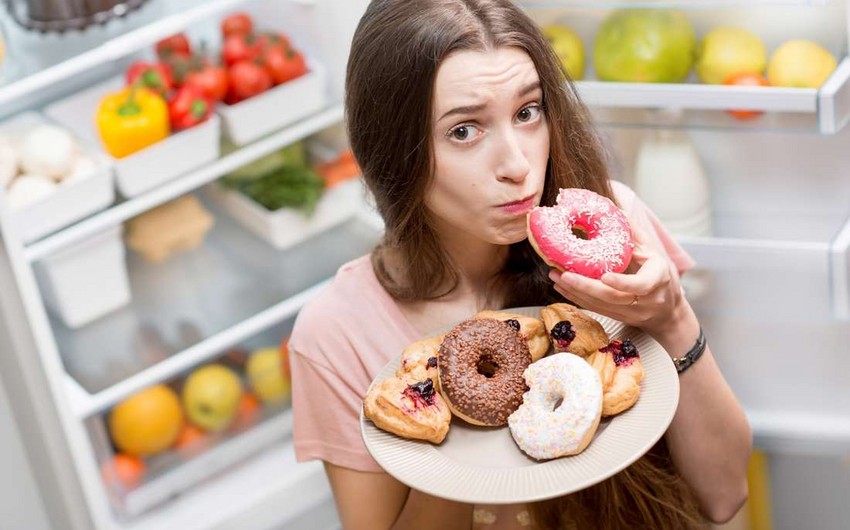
(680, 4)
(232, 277)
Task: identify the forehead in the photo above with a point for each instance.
(470, 77)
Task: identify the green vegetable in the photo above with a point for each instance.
(285, 187)
(291, 155)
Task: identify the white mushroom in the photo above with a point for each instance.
(48, 150)
(83, 167)
(29, 189)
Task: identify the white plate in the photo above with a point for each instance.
(482, 465)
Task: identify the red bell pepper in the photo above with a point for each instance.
(188, 107)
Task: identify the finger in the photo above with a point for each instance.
(590, 288)
(654, 272)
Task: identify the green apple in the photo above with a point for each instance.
(800, 63)
(726, 51)
(568, 47)
(266, 376)
(211, 397)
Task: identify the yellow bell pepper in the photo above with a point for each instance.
(131, 120)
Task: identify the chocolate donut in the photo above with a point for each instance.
(481, 365)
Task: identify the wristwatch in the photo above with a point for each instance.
(685, 361)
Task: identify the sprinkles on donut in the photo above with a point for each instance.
(584, 233)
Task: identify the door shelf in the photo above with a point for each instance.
(749, 273)
(190, 308)
(824, 111)
(680, 4)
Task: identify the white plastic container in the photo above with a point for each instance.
(275, 108)
(71, 200)
(85, 282)
(287, 227)
(152, 166)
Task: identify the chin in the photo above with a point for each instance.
(509, 236)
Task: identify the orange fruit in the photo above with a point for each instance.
(189, 436)
(126, 469)
(248, 412)
(147, 422)
(746, 79)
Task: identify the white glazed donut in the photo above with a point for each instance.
(607, 246)
(541, 426)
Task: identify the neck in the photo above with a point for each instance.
(477, 262)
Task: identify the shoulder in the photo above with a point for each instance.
(342, 305)
(624, 196)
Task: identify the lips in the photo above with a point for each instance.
(521, 206)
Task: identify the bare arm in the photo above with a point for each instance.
(377, 501)
(709, 438)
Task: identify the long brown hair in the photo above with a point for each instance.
(395, 54)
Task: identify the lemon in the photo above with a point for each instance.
(726, 51)
(147, 422)
(569, 48)
(800, 63)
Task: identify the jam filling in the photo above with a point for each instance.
(623, 351)
(563, 334)
(421, 393)
(432, 362)
(514, 323)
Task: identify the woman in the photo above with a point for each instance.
(461, 122)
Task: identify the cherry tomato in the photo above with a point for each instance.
(174, 45)
(155, 76)
(210, 80)
(188, 107)
(238, 48)
(283, 65)
(237, 24)
(268, 39)
(746, 79)
(247, 79)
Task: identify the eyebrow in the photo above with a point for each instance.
(469, 109)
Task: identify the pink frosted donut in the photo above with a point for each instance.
(607, 247)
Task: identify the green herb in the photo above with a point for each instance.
(286, 187)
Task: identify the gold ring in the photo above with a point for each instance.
(634, 300)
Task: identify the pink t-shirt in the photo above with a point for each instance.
(344, 337)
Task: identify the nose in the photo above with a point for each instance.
(512, 164)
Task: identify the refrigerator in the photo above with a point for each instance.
(89, 320)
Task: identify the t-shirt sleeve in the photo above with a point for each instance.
(326, 412)
(645, 220)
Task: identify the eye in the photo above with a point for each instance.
(529, 113)
(463, 133)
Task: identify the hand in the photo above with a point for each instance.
(648, 297)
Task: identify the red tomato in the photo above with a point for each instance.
(155, 76)
(283, 65)
(210, 80)
(247, 79)
(188, 107)
(268, 39)
(173, 45)
(746, 79)
(238, 48)
(237, 24)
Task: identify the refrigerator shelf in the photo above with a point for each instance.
(196, 305)
(123, 211)
(800, 433)
(95, 48)
(268, 488)
(181, 475)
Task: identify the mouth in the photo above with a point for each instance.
(518, 207)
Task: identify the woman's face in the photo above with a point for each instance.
(491, 145)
